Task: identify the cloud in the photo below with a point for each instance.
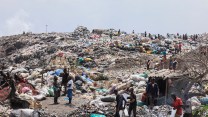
(18, 23)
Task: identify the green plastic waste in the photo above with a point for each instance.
(97, 115)
(102, 90)
(154, 52)
(51, 91)
(140, 103)
(143, 75)
(81, 60)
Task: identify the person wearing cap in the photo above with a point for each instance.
(119, 103)
(177, 105)
(152, 91)
(133, 103)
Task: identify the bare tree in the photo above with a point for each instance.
(195, 65)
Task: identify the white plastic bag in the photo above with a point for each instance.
(173, 112)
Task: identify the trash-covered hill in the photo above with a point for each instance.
(99, 61)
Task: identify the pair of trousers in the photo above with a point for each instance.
(69, 95)
(132, 108)
(55, 99)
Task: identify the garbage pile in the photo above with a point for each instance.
(98, 64)
(81, 31)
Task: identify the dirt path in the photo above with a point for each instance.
(63, 108)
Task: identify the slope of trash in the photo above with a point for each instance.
(103, 60)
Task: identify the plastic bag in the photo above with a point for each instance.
(204, 100)
(24, 113)
(173, 112)
(39, 97)
(138, 78)
(108, 99)
(97, 115)
(51, 91)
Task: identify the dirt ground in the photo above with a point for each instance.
(63, 108)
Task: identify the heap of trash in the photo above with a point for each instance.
(98, 64)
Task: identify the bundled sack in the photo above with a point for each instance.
(35, 104)
(39, 97)
(108, 99)
(137, 78)
(24, 113)
(38, 80)
(139, 96)
(24, 75)
(51, 92)
(141, 84)
(44, 91)
(21, 70)
(194, 101)
(25, 97)
(204, 100)
(34, 74)
(124, 85)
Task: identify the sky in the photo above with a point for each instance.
(153, 16)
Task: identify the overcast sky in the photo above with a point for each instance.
(155, 16)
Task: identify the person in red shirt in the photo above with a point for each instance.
(177, 104)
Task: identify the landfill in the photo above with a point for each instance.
(104, 59)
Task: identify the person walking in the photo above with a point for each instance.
(148, 64)
(119, 32)
(174, 64)
(180, 47)
(171, 63)
(177, 105)
(133, 103)
(176, 48)
(70, 89)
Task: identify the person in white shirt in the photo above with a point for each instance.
(70, 89)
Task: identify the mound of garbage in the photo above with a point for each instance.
(99, 64)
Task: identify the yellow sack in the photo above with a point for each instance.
(88, 59)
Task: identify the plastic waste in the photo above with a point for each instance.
(97, 115)
(204, 100)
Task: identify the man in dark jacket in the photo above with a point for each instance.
(133, 103)
(152, 92)
(65, 76)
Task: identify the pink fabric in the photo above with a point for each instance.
(25, 89)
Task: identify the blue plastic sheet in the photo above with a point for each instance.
(56, 72)
(97, 115)
(204, 100)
